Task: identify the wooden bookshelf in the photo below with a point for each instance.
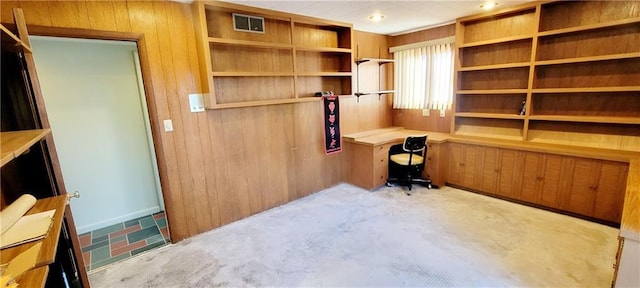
(576, 64)
(14, 143)
(294, 58)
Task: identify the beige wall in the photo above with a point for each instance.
(219, 166)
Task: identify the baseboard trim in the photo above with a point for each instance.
(104, 223)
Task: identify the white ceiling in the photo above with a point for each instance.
(399, 16)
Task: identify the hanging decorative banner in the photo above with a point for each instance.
(332, 139)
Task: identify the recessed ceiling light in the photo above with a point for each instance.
(376, 17)
(489, 5)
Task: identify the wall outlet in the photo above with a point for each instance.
(442, 113)
(196, 102)
(168, 125)
(425, 112)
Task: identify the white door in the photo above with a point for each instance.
(96, 108)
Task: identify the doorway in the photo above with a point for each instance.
(98, 114)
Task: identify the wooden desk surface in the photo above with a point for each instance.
(50, 242)
(391, 135)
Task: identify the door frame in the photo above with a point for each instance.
(150, 107)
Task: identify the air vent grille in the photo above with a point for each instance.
(248, 23)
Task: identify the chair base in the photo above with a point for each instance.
(409, 182)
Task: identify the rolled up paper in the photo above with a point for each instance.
(15, 211)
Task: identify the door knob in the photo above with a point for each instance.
(75, 194)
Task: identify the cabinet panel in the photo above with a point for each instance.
(490, 170)
(550, 191)
(581, 192)
(456, 162)
(472, 166)
(511, 171)
(609, 196)
(531, 177)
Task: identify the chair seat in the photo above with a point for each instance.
(403, 159)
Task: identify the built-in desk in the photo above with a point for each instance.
(368, 154)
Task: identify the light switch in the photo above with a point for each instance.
(425, 112)
(168, 125)
(196, 102)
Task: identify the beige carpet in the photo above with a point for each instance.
(346, 236)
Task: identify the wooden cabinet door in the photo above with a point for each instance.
(609, 195)
(472, 166)
(550, 188)
(530, 176)
(581, 192)
(456, 163)
(490, 170)
(510, 170)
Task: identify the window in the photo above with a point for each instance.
(423, 76)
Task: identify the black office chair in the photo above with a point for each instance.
(407, 161)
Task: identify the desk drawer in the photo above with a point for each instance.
(380, 174)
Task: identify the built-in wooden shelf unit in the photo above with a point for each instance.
(290, 62)
(574, 64)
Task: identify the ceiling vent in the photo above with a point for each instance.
(248, 23)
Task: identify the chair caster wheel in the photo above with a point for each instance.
(428, 186)
(388, 184)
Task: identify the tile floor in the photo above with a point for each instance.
(123, 240)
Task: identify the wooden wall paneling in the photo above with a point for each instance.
(607, 74)
(234, 195)
(6, 15)
(70, 14)
(423, 35)
(121, 15)
(140, 21)
(103, 15)
(586, 13)
(520, 23)
(500, 53)
(413, 119)
(279, 142)
(515, 78)
(184, 61)
(606, 104)
(36, 12)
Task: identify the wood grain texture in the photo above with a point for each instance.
(630, 225)
(203, 162)
(413, 119)
(423, 35)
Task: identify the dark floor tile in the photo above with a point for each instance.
(107, 230)
(147, 222)
(162, 222)
(100, 254)
(96, 245)
(143, 234)
(130, 223)
(99, 238)
(110, 260)
(118, 239)
(147, 248)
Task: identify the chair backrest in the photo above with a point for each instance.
(414, 144)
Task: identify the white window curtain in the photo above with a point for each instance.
(424, 77)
